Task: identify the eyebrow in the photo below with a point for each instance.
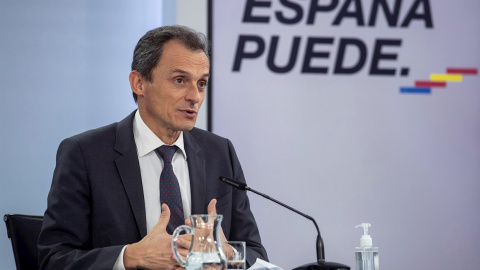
(188, 73)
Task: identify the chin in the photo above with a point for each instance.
(186, 127)
(184, 124)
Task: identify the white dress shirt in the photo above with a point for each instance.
(151, 166)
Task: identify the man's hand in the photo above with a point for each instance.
(212, 210)
(154, 251)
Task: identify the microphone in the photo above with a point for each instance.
(320, 264)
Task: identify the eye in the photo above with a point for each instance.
(179, 80)
(202, 84)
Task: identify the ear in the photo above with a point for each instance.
(136, 82)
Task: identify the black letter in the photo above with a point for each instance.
(344, 42)
(357, 13)
(426, 16)
(291, 61)
(378, 55)
(314, 7)
(309, 54)
(392, 17)
(242, 40)
(298, 11)
(247, 15)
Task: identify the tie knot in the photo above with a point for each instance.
(166, 152)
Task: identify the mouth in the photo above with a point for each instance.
(189, 113)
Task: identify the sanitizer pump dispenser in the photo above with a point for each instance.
(366, 256)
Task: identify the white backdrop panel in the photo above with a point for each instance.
(351, 148)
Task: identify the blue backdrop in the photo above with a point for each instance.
(64, 69)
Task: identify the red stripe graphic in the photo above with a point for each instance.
(430, 84)
(469, 71)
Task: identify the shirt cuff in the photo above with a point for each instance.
(119, 263)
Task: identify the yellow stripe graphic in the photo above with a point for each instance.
(446, 77)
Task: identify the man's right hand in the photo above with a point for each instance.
(154, 250)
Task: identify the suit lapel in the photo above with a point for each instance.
(129, 170)
(196, 169)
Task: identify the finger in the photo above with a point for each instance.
(186, 237)
(162, 222)
(188, 222)
(184, 242)
(174, 260)
(211, 209)
(183, 252)
(228, 250)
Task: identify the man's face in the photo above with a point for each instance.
(171, 101)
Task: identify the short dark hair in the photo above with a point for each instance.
(149, 48)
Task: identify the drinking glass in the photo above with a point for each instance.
(236, 255)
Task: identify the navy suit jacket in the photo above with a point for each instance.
(96, 206)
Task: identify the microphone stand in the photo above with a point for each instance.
(320, 264)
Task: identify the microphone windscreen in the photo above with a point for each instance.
(233, 183)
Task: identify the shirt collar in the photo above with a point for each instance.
(147, 141)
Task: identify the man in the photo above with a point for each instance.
(104, 209)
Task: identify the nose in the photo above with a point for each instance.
(193, 94)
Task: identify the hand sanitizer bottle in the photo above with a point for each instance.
(366, 256)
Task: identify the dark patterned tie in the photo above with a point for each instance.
(169, 188)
